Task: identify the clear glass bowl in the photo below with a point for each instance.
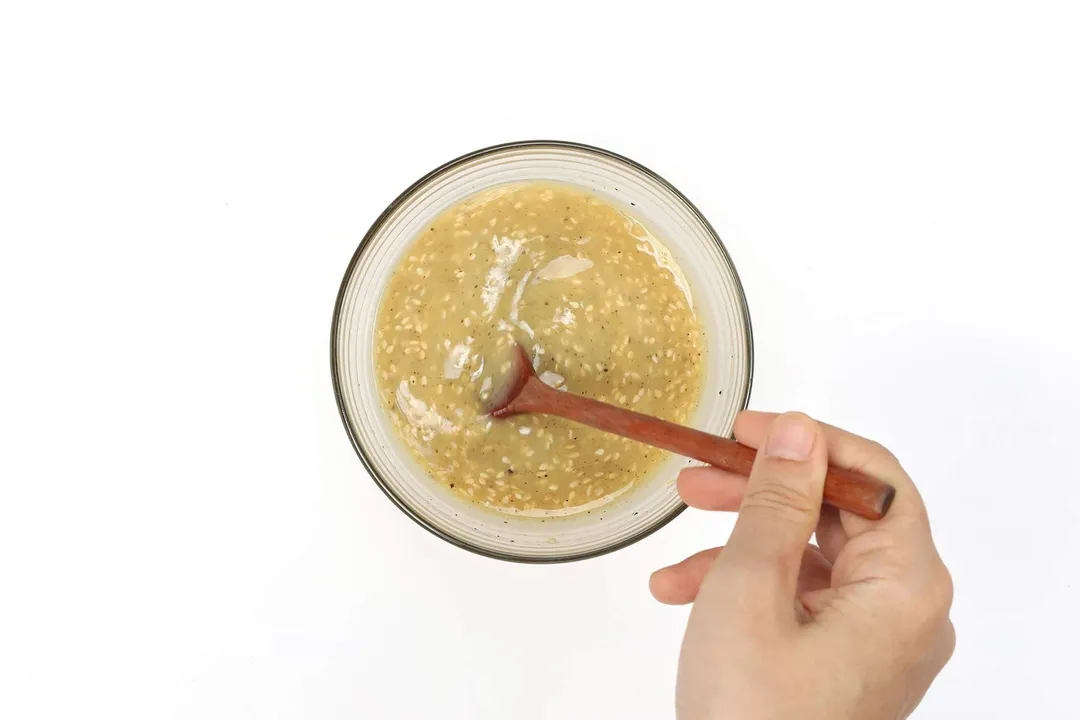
(718, 297)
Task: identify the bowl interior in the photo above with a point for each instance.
(718, 300)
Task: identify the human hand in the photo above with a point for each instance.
(854, 628)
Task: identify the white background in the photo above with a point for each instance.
(185, 531)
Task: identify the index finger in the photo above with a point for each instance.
(851, 452)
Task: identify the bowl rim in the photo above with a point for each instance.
(336, 375)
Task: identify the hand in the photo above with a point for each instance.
(856, 627)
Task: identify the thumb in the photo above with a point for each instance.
(780, 508)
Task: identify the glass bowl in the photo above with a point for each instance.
(719, 301)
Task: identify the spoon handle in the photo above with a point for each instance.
(844, 489)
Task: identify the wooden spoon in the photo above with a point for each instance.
(521, 391)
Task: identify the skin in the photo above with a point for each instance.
(854, 627)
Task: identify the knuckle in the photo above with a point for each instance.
(944, 589)
(930, 606)
(880, 450)
(874, 452)
(950, 642)
(781, 500)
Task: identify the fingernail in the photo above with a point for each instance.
(790, 438)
